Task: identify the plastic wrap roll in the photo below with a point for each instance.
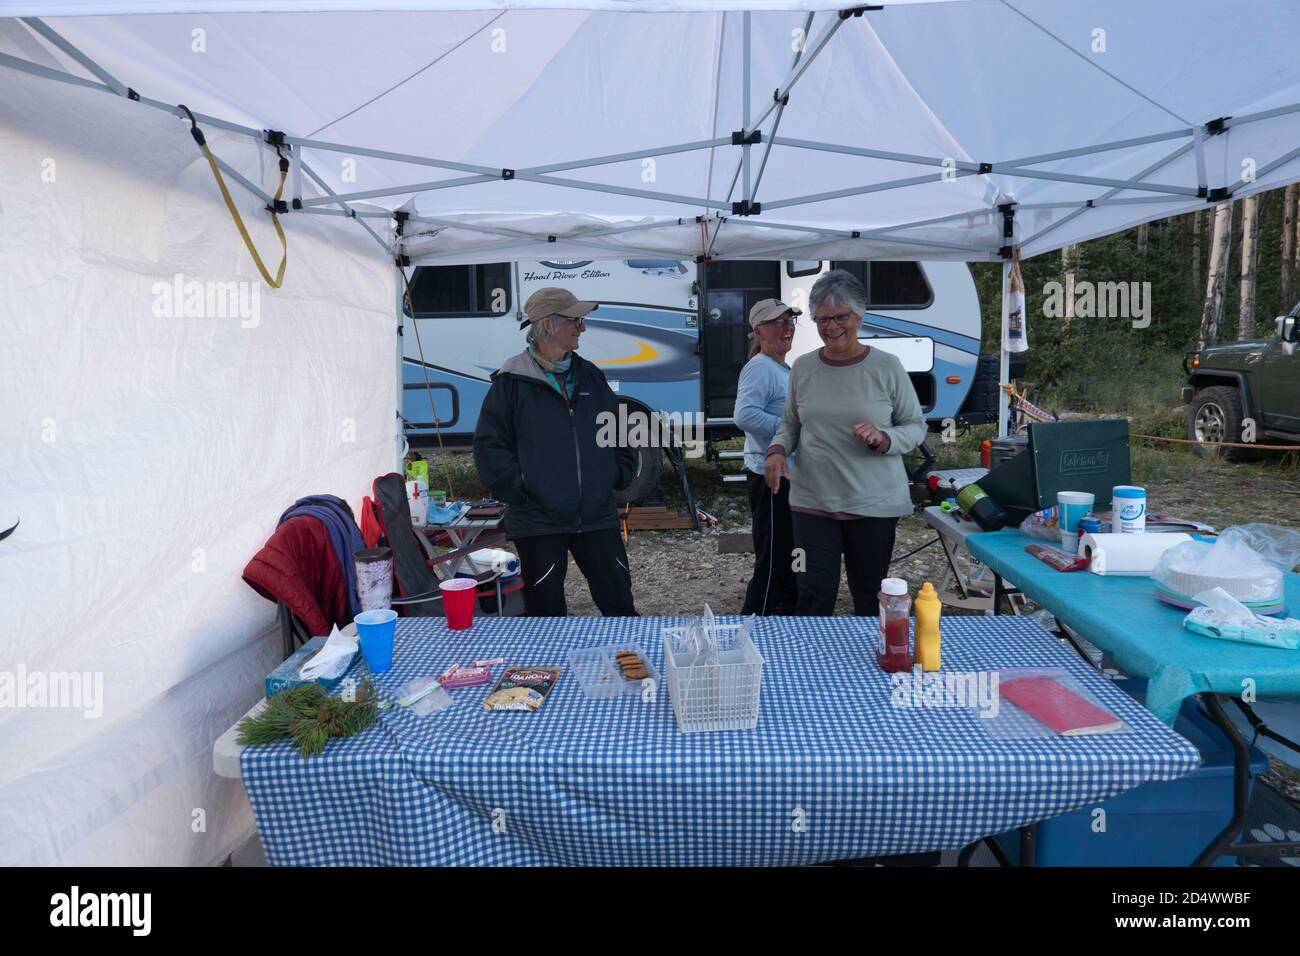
(1127, 553)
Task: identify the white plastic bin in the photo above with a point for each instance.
(722, 696)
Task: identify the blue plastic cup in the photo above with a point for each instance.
(375, 630)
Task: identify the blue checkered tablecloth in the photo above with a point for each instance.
(834, 770)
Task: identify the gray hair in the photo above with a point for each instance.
(542, 329)
(838, 287)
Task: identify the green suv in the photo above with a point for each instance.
(1246, 392)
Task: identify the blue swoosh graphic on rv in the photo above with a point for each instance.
(888, 323)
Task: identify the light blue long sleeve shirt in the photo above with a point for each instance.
(760, 400)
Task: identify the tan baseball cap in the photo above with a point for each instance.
(553, 300)
(769, 309)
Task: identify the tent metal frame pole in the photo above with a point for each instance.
(112, 85)
(1265, 169)
(514, 234)
(346, 213)
(321, 184)
(858, 190)
(1085, 203)
(492, 172)
(1198, 143)
(923, 160)
(49, 73)
(243, 180)
(61, 76)
(400, 190)
(869, 153)
(764, 250)
(798, 71)
(1012, 169)
(1158, 164)
(1231, 121)
(38, 26)
(624, 191)
(1004, 357)
(796, 227)
(781, 102)
(531, 243)
(625, 157)
(882, 232)
(745, 194)
(1099, 148)
(1018, 172)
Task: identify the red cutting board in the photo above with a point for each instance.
(1060, 708)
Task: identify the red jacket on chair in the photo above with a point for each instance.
(299, 567)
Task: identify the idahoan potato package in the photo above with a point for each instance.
(522, 688)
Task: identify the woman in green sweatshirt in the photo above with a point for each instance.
(852, 414)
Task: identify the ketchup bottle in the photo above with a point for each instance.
(893, 651)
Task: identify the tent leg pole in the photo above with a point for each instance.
(1004, 357)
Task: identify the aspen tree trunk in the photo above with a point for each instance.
(1249, 253)
(1288, 246)
(1067, 282)
(1196, 250)
(1219, 238)
(1295, 248)
(1143, 237)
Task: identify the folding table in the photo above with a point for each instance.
(1120, 615)
(840, 767)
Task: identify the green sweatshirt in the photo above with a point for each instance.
(834, 471)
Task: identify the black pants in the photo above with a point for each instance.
(866, 545)
(773, 589)
(602, 559)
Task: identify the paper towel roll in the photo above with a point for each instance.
(1127, 553)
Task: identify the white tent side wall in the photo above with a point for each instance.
(149, 441)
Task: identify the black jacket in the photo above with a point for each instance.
(540, 456)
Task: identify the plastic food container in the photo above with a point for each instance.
(600, 677)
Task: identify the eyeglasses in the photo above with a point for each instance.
(785, 322)
(844, 318)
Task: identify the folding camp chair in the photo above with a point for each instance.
(417, 566)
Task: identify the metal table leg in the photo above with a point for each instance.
(1028, 844)
(1240, 782)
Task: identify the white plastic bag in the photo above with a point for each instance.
(1247, 561)
(1043, 525)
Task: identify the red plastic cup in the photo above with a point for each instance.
(458, 602)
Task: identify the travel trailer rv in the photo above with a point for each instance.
(671, 336)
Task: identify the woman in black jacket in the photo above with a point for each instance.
(536, 449)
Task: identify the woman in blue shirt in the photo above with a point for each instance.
(760, 400)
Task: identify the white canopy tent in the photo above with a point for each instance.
(787, 129)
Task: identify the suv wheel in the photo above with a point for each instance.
(1215, 415)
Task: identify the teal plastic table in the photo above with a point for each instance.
(1146, 638)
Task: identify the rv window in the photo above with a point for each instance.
(899, 285)
(795, 268)
(746, 274)
(891, 285)
(461, 290)
(859, 271)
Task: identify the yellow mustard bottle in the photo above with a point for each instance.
(928, 608)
